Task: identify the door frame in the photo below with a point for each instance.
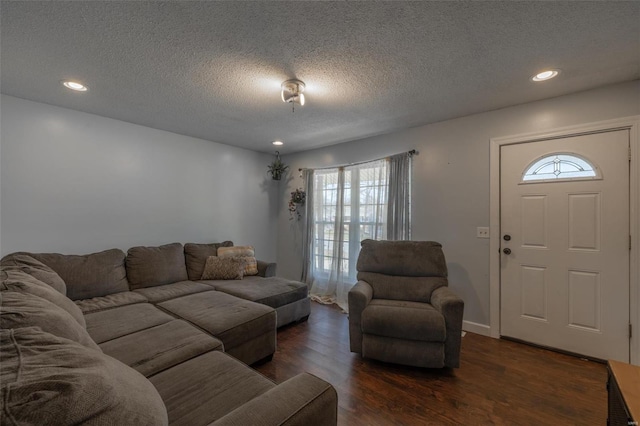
(631, 123)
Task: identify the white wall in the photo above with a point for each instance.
(451, 179)
(77, 183)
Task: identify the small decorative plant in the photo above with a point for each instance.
(297, 200)
(277, 168)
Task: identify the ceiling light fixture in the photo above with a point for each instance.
(545, 75)
(277, 143)
(292, 93)
(74, 85)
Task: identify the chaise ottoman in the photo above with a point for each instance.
(289, 298)
(247, 329)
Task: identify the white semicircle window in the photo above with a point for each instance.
(559, 167)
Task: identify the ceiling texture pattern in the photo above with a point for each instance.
(213, 70)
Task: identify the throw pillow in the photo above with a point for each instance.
(21, 282)
(37, 269)
(196, 255)
(218, 268)
(245, 252)
(47, 380)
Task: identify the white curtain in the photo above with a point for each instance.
(328, 259)
(347, 205)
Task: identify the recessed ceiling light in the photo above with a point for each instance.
(545, 75)
(277, 143)
(74, 85)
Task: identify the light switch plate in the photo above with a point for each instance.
(482, 232)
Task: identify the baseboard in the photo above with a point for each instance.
(474, 327)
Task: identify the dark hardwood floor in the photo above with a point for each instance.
(498, 382)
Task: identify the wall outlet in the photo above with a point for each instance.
(482, 232)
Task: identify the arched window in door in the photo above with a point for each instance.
(560, 166)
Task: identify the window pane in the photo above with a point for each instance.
(364, 201)
(558, 167)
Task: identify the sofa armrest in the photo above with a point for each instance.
(301, 400)
(266, 269)
(359, 297)
(452, 308)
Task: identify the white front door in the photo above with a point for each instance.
(565, 243)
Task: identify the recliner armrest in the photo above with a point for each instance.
(452, 309)
(449, 305)
(359, 297)
(266, 269)
(301, 400)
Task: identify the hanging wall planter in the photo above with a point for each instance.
(298, 197)
(277, 168)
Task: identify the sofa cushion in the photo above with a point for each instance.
(110, 301)
(117, 322)
(217, 268)
(163, 346)
(152, 266)
(274, 292)
(245, 252)
(90, 275)
(47, 380)
(20, 310)
(415, 289)
(404, 258)
(403, 320)
(196, 255)
(232, 320)
(171, 291)
(205, 388)
(37, 269)
(18, 281)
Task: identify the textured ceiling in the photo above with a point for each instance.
(213, 69)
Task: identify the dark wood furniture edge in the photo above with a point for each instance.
(627, 377)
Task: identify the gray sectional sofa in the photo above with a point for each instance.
(138, 338)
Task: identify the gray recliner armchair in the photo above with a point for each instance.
(401, 310)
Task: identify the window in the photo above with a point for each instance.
(347, 205)
(559, 166)
(350, 205)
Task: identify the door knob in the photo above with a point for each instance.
(506, 251)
